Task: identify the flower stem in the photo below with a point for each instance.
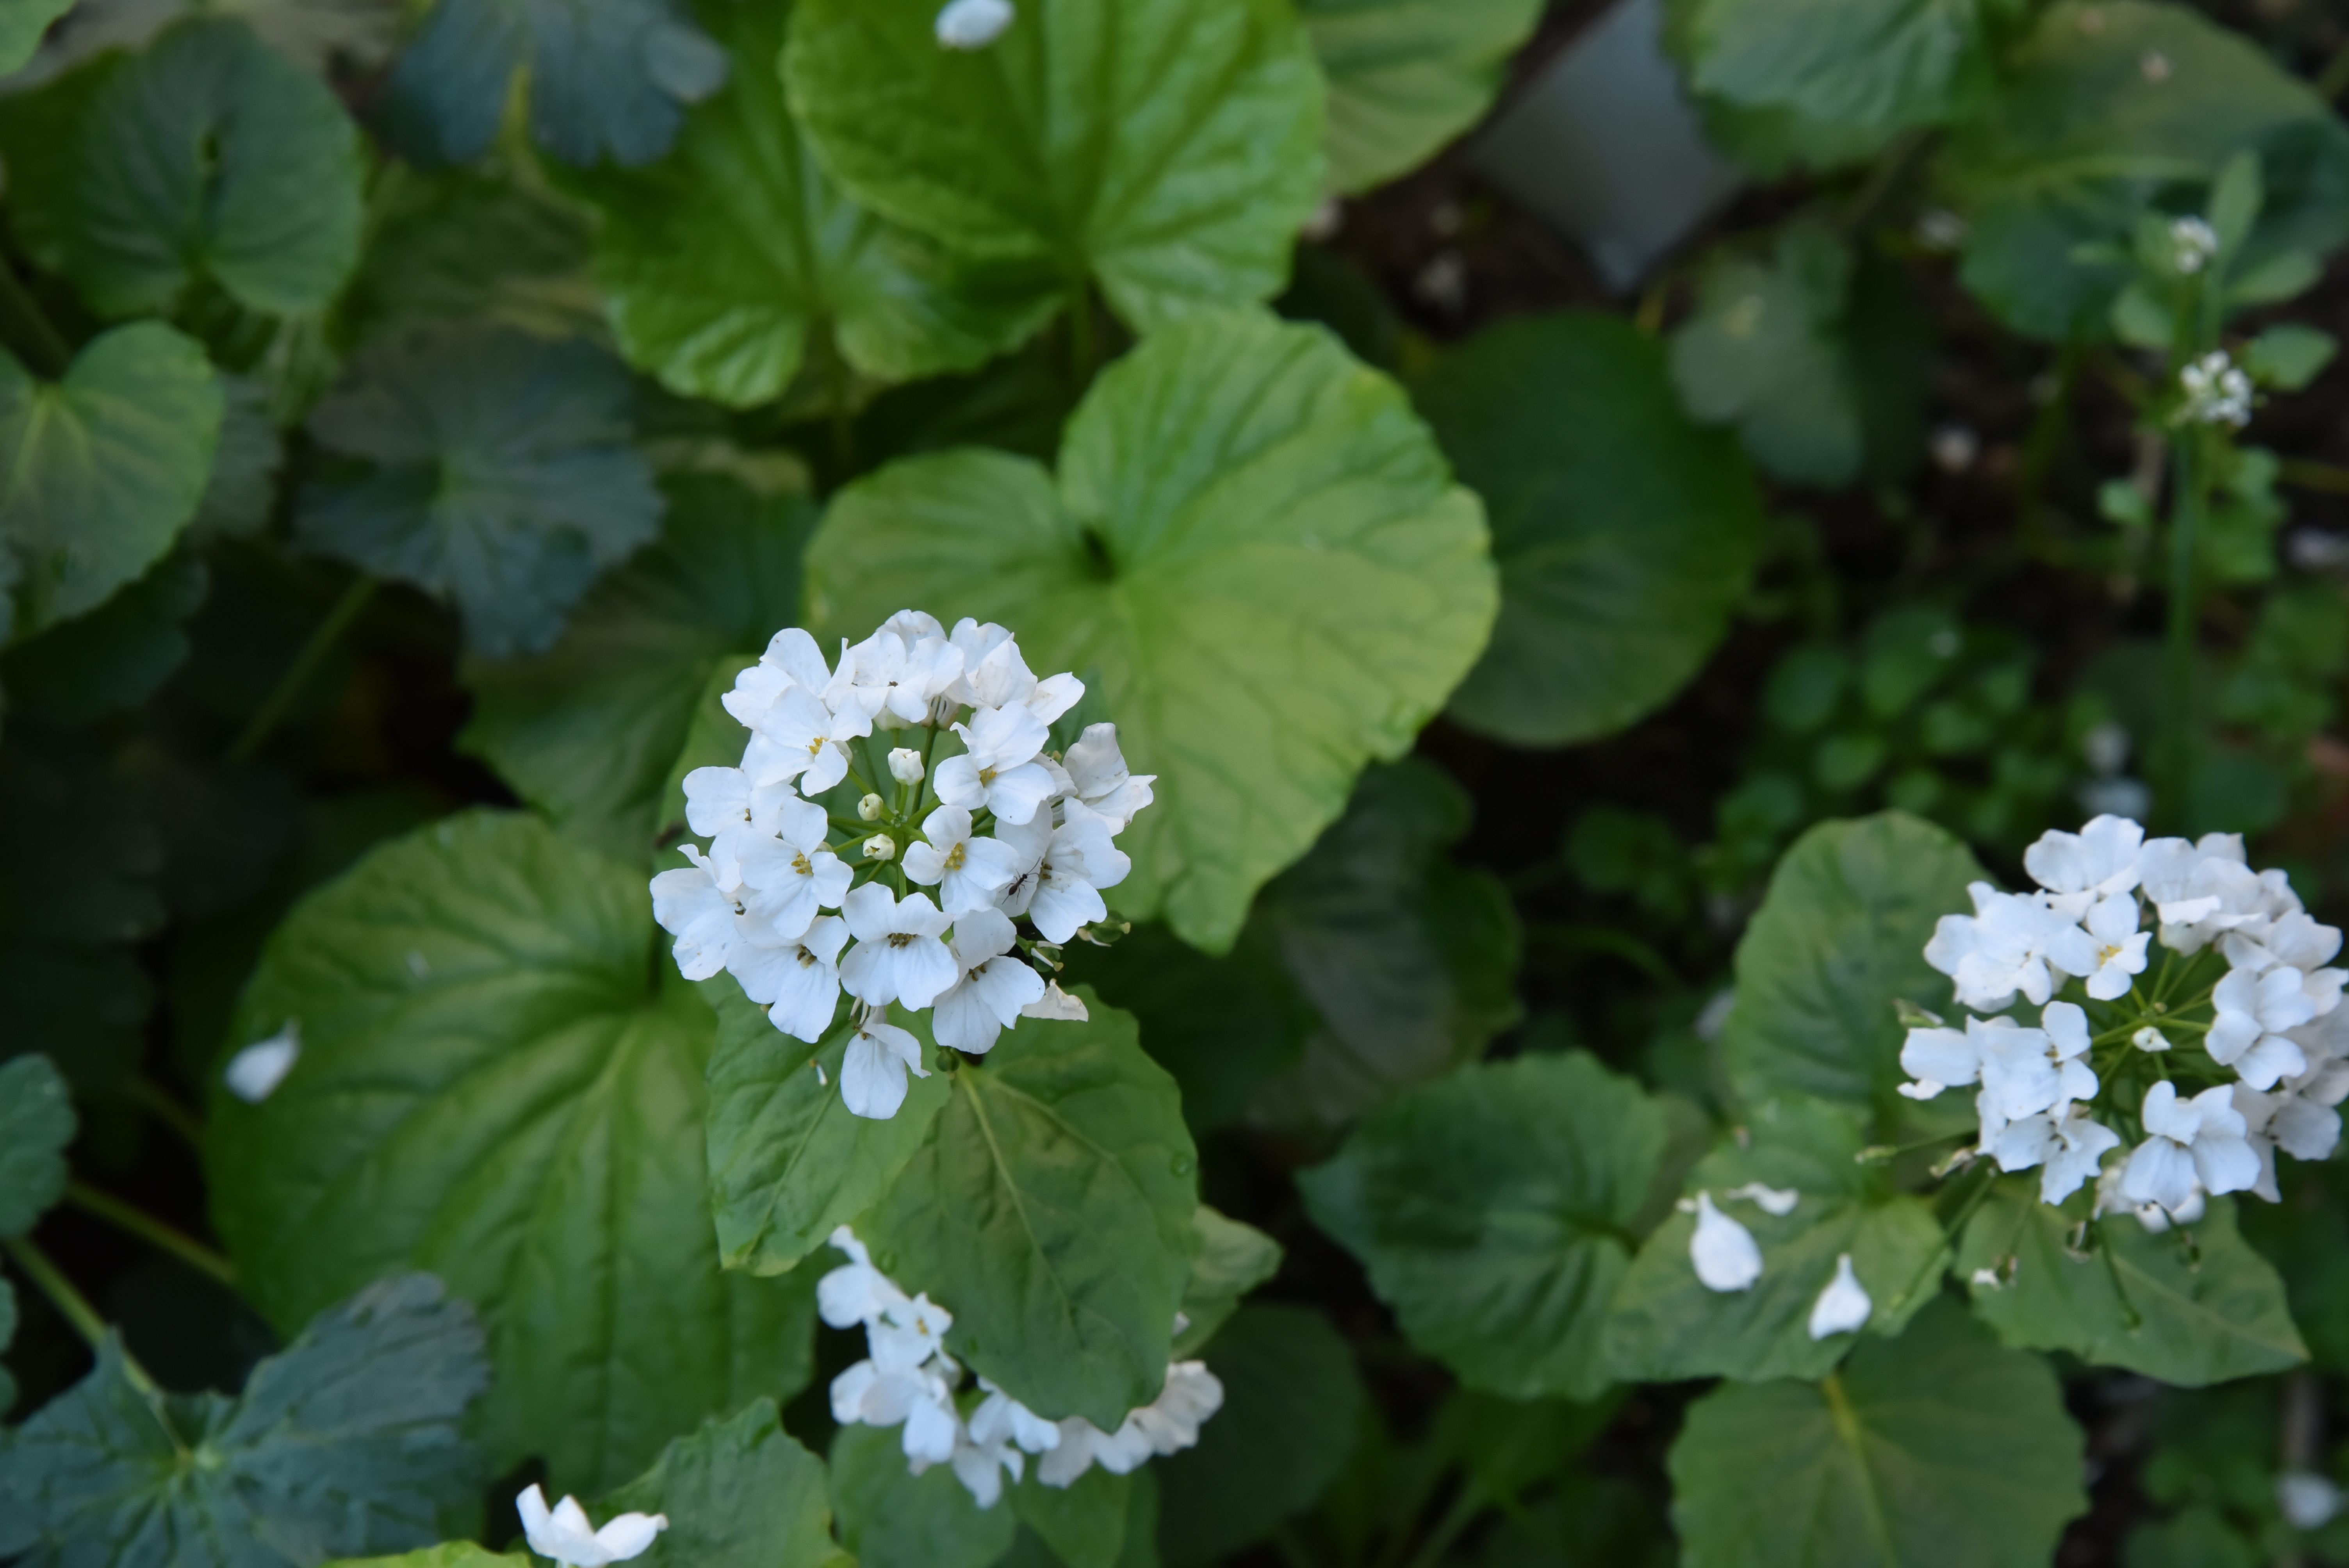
(76, 1309)
(165, 1238)
(2177, 663)
(305, 665)
(1080, 332)
(153, 1099)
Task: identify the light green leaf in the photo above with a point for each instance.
(1255, 544)
(891, 1518)
(1293, 1405)
(722, 263)
(449, 1554)
(1666, 1326)
(1085, 1523)
(738, 1494)
(348, 1442)
(99, 471)
(2104, 101)
(587, 731)
(22, 23)
(36, 1122)
(490, 469)
(1168, 149)
(1938, 1450)
(1233, 1260)
(1880, 64)
(1493, 1209)
(2289, 354)
(211, 156)
(1625, 536)
(1765, 352)
(1408, 76)
(500, 1080)
(788, 1163)
(1050, 1211)
(2141, 1301)
(1840, 937)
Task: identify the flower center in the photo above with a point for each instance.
(800, 864)
(900, 938)
(954, 858)
(987, 776)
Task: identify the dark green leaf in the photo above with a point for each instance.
(1233, 1260)
(212, 158)
(8, 1333)
(453, 245)
(1666, 1326)
(1625, 536)
(114, 657)
(610, 79)
(1493, 1209)
(1408, 76)
(1051, 1211)
(347, 1444)
(1085, 1523)
(588, 731)
(36, 1122)
(726, 262)
(2140, 1301)
(738, 1494)
(498, 473)
(1765, 352)
(242, 490)
(788, 1163)
(1252, 539)
(1876, 63)
(1840, 937)
(1292, 1403)
(891, 1518)
(103, 469)
(500, 1080)
(1935, 1450)
(1167, 149)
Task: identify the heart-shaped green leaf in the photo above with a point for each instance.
(1408, 76)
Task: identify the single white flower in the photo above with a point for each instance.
(981, 1466)
(1778, 1202)
(724, 800)
(2013, 942)
(873, 1072)
(973, 25)
(2066, 1144)
(2303, 1125)
(993, 672)
(2253, 1012)
(2120, 946)
(892, 681)
(1724, 1251)
(856, 1292)
(2079, 870)
(968, 871)
(1062, 871)
(906, 764)
(2026, 1071)
(797, 981)
(908, 1334)
(1168, 1424)
(1002, 1418)
(704, 913)
(1098, 777)
(1844, 1305)
(2294, 940)
(792, 876)
(564, 1534)
(254, 1074)
(994, 988)
(998, 768)
(898, 956)
(2307, 1500)
(916, 1399)
(794, 739)
(2204, 889)
(2192, 244)
(2187, 1139)
(1071, 1456)
(1056, 1005)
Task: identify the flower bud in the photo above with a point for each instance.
(880, 846)
(870, 808)
(905, 765)
(2150, 1039)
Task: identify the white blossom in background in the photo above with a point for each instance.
(2193, 243)
(254, 1074)
(1776, 1202)
(2307, 1500)
(953, 890)
(2216, 392)
(1843, 1307)
(908, 1380)
(1723, 1251)
(564, 1534)
(2203, 1059)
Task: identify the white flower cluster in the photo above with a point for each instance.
(908, 1380)
(2243, 1010)
(1727, 1258)
(2216, 392)
(2193, 242)
(1005, 833)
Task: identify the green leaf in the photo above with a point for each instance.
(491, 468)
(738, 1494)
(788, 1163)
(1625, 536)
(500, 1080)
(1406, 77)
(36, 1122)
(891, 1518)
(2140, 1301)
(587, 732)
(242, 488)
(1666, 1326)
(1168, 149)
(347, 1442)
(7, 1334)
(1878, 64)
(723, 263)
(607, 80)
(2288, 355)
(102, 469)
(1840, 937)
(212, 158)
(1256, 545)
(1493, 1209)
(449, 1554)
(1051, 1211)
(453, 245)
(2104, 101)
(22, 23)
(1292, 1404)
(1085, 1524)
(1939, 1449)
(1765, 352)
(1233, 1260)
(114, 657)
